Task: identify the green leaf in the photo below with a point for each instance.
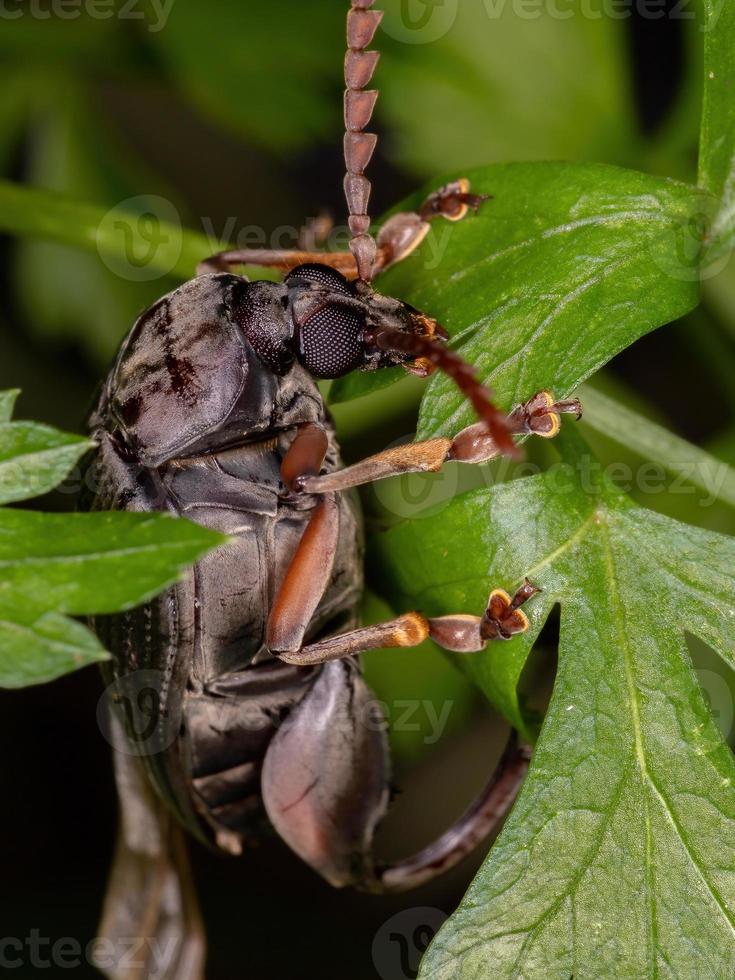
(8, 399)
(34, 458)
(92, 563)
(619, 856)
(564, 268)
(45, 649)
(461, 80)
(717, 140)
(116, 234)
(78, 564)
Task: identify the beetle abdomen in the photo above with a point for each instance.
(222, 696)
(228, 729)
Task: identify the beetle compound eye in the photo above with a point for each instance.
(331, 341)
(320, 275)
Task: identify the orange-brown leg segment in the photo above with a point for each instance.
(483, 817)
(306, 579)
(502, 619)
(331, 822)
(403, 233)
(305, 455)
(284, 261)
(398, 237)
(539, 416)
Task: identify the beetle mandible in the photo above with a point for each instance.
(212, 411)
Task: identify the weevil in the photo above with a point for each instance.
(262, 717)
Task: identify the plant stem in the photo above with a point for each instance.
(654, 442)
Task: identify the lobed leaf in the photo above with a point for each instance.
(565, 267)
(717, 139)
(619, 856)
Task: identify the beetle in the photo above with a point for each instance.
(262, 717)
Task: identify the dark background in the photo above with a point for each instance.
(108, 112)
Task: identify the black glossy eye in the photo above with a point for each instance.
(330, 341)
(321, 275)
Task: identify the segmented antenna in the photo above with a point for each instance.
(362, 23)
(463, 375)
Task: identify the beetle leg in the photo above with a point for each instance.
(325, 789)
(460, 633)
(538, 416)
(301, 591)
(284, 260)
(326, 775)
(398, 237)
(305, 455)
(150, 897)
(403, 233)
(306, 579)
(482, 818)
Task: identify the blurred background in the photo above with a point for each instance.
(231, 112)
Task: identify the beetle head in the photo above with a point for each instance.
(342, 326)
